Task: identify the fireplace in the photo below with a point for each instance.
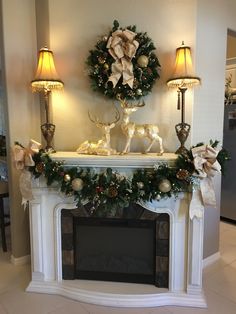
(50, 256)
(116, 249)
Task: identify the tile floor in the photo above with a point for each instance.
(219, 283)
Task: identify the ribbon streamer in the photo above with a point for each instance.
(23, 159)
(122, 47)
(206, 166)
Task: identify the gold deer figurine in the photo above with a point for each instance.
(102, 146)
(131, 129)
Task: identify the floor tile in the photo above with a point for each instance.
(94, 309)
(216, 305)
(20, 302)
(223, 282)
(2, 310)
(71, 307)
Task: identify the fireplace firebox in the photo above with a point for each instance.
(116, 249)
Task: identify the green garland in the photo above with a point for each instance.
(100, 61)
(109, 191)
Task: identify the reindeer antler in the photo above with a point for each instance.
(97, 121)
(126, 104)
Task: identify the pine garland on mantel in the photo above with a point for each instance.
(109, 191)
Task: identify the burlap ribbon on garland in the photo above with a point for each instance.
(23, 159)
(207, 166)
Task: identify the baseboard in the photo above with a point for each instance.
(20, 260)
(229, 220)
(210, 259)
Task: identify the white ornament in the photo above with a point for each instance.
(77, 184)
(164, 186)
(140, 185)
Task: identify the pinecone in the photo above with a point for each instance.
(112, 192)
(39, 168)
(182, 174)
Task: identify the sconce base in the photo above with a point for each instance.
(48, 130)
(182, 131)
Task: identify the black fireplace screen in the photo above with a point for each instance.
(115, 249)
(130, 249)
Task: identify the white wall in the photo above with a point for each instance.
(213, 19)
(22, 116)
(75, 27)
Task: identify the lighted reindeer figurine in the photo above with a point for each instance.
(102, 146)
(131, 129)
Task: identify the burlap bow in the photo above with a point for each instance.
(23, 159)
(122, 47)
(206, 166)
(23, 156)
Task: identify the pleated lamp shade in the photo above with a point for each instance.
(46, 77)
(183, 73)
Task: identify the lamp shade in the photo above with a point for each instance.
(183, 73)
(46, 77)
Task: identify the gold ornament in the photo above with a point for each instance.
(164, 186)
(67, 178)
(143, 61)
(77, 184)
(140, 185)
(182, 174)
(106, 66)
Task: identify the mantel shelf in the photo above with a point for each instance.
(132, 160)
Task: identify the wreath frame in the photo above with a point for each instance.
(99, 64)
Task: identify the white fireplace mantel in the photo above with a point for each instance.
(186, 243)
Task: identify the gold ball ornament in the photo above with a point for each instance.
(164, 186)
(77, 184)
(67, 178)
(106, 66)
(143, 61)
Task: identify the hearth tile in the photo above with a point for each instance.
(67, 241)
(162, 247)
(68, 257)
(67, 224)
(163, 230)
(162, 263)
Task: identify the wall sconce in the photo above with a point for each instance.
(183, 78)
(46, 80)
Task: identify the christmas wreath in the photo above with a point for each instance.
(123, 64)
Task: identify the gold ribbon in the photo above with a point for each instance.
(23, 159)
(206, 166)
(122, 47)
(23, 156)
